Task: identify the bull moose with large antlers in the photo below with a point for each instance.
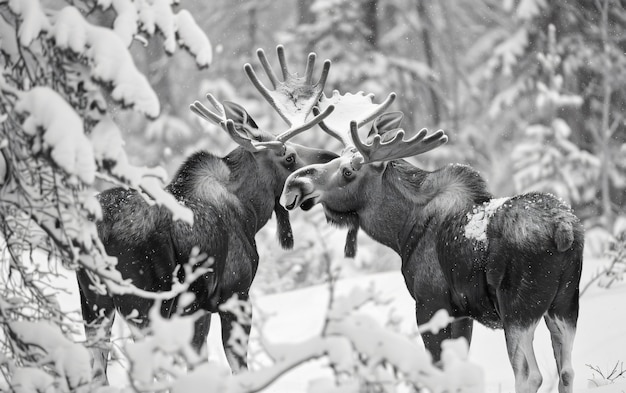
(231, 197)
(506, 263)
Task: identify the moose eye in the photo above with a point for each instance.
(290, 158)
(347, 172)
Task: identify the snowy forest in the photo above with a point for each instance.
(96, 94)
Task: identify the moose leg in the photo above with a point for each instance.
(432, 341)
(519, 342)
(98, 331)
(462, 327)
(562, 333)
(200, 333)
(235, 334)
(98, 314)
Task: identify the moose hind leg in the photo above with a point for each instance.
(519, 342)
(562, 333)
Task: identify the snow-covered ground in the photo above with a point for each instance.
(297, 315)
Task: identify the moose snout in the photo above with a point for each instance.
(297, 187)
(292, 194)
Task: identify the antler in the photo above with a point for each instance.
(199, 109)
(228, 125)
(347, 108)
(295, 97)
(383, 148)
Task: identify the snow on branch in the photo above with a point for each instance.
(110, 156)
(31, 379)
(338, 350)
(193, 38)
(44, 342)
(164, 20)
(63, 133)
(34, 19)
(180, 27)
(109, 153)
(108, 57)
(125, 25)
(8, 42)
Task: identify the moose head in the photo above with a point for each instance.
(275, 157)
(352, 184)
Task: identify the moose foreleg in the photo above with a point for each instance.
(462, 327)
(200, 334)
(235, 335)
(99, 332)
(98, 313)
(432, 341)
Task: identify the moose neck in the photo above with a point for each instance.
(254, 186)
(406, 200)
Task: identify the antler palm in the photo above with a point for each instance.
(295, 96)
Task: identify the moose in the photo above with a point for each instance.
(231, 198)
(504, 262)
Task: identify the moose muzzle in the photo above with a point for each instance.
(299, 191)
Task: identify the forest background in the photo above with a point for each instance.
(531, 93)
(527, 113)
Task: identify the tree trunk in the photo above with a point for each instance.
(252, 28)
(158, 74)
(428, 53)
(605, 128)
(370, 19)
(306, 17)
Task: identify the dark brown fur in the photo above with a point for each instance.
(232, 198)
(506, 263)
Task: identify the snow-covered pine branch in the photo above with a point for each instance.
(44, 344)
(58, 65)
(109, 60)
(63, 132)
(150, 16)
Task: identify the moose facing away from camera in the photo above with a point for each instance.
(231, 197)
(505, 263)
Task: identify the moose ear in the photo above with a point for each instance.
(385, 123)
(243, 121)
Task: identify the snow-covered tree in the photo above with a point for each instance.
(572, 88)
(64, 71)
(547, 160)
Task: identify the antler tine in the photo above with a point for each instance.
(266, 67)
(249, 144)
(310, 62)
(280, 51)
(337, 135)
(265, 92)
(325, 69)
(201, 110)
(380, 110)
(294, 97)
(351, 107)
(319, 117)
(396, 147)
